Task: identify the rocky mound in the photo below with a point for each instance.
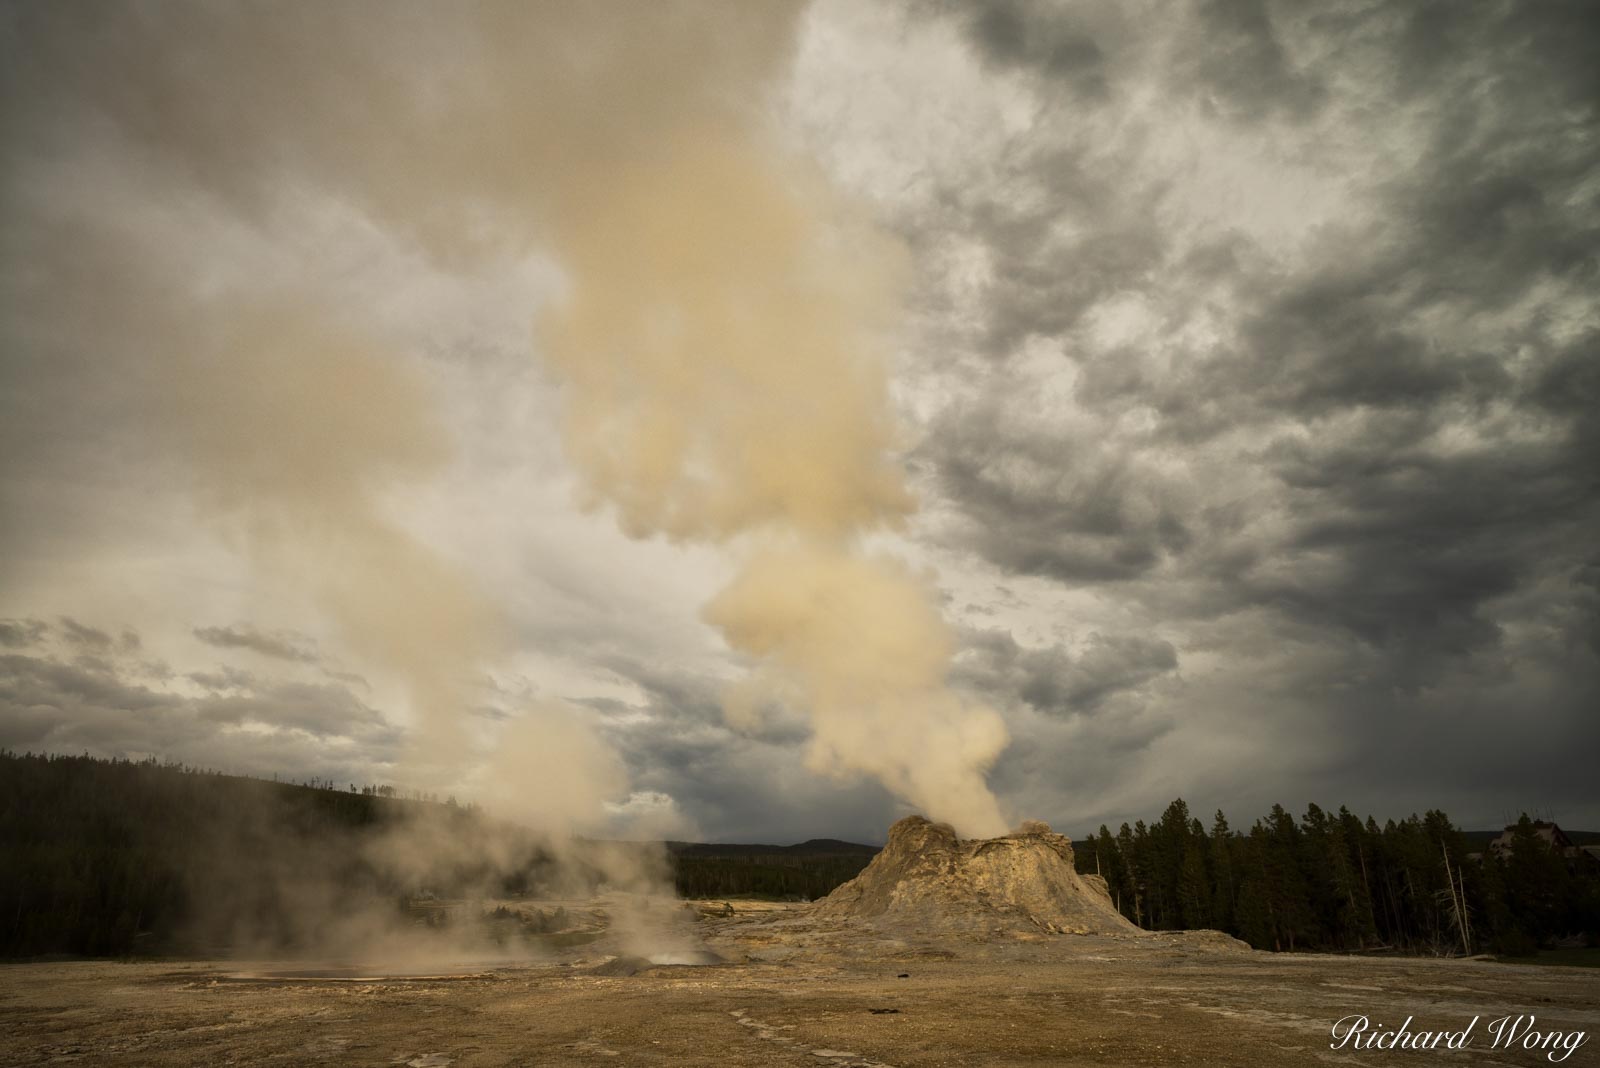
(1022, 885)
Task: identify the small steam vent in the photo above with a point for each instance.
(1020, 885)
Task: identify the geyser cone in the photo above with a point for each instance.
(1020, 885)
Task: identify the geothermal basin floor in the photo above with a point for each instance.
(1071, 1000)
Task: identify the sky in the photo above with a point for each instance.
(758, 422)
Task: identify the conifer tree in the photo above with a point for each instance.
(1224, 889)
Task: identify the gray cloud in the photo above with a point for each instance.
(1244, 68)
(1049, 500)
(1063, 48)
(87, 637)
(224, 678)
(21, 633)
(1053, 681)
(323, 710)
(1370, 438)
(280, 646)
(737, 788)
(262, 727)
(734, 785)
(1260, 340)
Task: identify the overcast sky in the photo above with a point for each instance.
(1243, 358)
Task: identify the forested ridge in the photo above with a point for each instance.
(109, 858)
(113, 857)
(1332, 881)
(801, 872)
(101, 857)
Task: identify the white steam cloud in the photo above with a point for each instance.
(722, 336)
(724, 343)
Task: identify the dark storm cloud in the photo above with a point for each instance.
(1586, 605)
(1055, 682)
(1415, 543)
(1016, 34)
(284, 646)
(1086, 57)
(1049, 501)
(1050, 277)
(87, 637)
(688, 698)
(28, 682)
(257, 726)
(738, 788)
(318, 709)
(734, 786)
(1381, 447)
(1493, 208)
(1334, 442)
(1422, 537)
(224, 678)
(1514, 729)
(687, 695)
(1231, 54)
(1340, 337)
(1243, 66)
(21, 633)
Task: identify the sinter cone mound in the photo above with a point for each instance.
(1022, 884)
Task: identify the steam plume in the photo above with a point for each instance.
(723, 346)
(856, 640)
(722, 338)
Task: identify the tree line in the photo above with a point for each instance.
(116, 857)
(1335, 882)
(801, 872)
(110, 858)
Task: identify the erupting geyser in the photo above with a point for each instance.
(1020, 885)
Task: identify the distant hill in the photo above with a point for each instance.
(801, 872)
(813, 847)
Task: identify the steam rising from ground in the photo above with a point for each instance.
(857, 641)
(722, 338)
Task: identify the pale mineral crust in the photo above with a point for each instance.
(1021, 885)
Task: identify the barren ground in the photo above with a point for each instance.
(798, 996)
